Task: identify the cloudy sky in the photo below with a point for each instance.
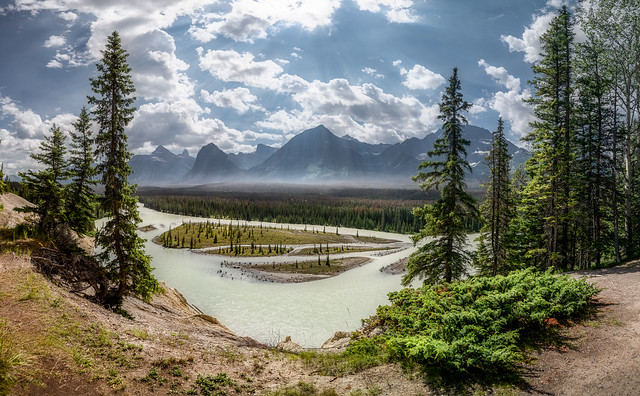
(242, 72)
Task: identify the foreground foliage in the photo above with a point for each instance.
(480, 325)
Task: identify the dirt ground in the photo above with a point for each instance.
(8, 216)
(603, 355)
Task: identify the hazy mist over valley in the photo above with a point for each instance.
(315, 156)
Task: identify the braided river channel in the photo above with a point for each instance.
(309, 312)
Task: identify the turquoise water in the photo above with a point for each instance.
(309, 312)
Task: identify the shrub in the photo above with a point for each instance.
(476, 324)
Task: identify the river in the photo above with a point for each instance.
(309, 312)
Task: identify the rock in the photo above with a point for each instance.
(338, 342)
(289, 346)
(376, 332)
(10, 218)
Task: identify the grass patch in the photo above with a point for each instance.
(12, 360)
(216, 385)
(140, 334)
(357, 357)
(302, 389)
(255, 240)
(165, 363)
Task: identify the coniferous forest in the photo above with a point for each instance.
(391, 215)
(575, 204)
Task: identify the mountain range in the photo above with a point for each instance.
(314, 156)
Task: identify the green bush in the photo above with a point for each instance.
(476, 324)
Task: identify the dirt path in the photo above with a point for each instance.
(603, 357)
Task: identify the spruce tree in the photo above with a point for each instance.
(595, 154)
(44, 188)
(497, 208)
(122, 250)
(550, 189)
(444, 257)
(616, 23)
(81, 204)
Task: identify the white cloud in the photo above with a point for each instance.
(55, 41)
(237, 67)
(512, 108)
(362, 111)
(54, 64)
(501, 76)
(68, 16)
(290, 122)
(396, 11)
(251, 19)
(157, 72)
(366, 111)
(479, 106)
(239, 99)
(510, 105)
(15, 152)
(402, 15)
(529, 43)
(28, 129)
(372, 72)
(27, 123)
(419, 77)
(185, 124)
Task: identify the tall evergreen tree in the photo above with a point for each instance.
(550, 188)
(44, 187)
(122, 250)
(81, 204)
(616, 23)
(595, 154)
(497, 208)
(444, 257)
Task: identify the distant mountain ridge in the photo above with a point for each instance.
(315, 156)
(249, 160)
(162, 166)
(212, 165)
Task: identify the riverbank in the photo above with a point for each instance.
(57, 343)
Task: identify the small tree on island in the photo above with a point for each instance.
(444, 258)
(122, 250)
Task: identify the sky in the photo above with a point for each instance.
(237, 73)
